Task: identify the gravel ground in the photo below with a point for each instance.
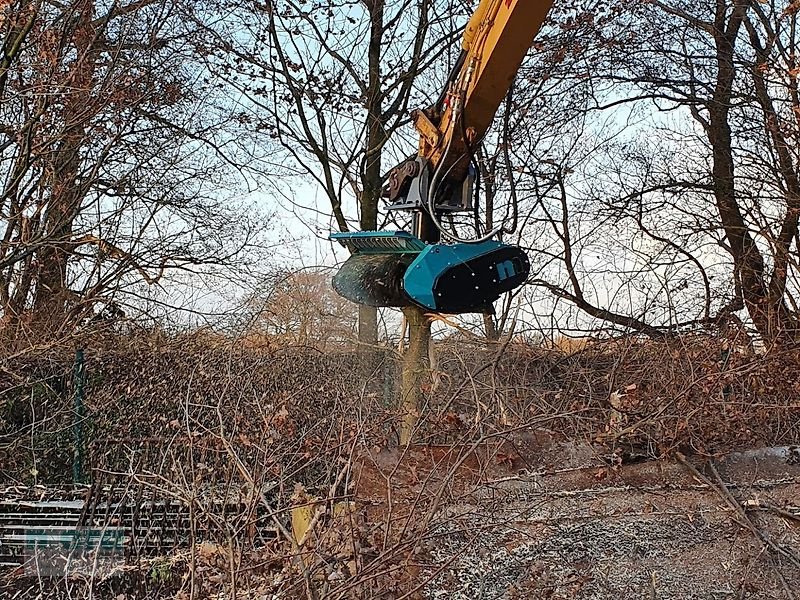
(642, 531)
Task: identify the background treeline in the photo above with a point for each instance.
(157, 149)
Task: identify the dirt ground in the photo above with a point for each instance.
(532, 517)
(556, 521)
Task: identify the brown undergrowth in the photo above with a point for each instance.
(240, 434)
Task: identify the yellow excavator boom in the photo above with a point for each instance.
(495, 42)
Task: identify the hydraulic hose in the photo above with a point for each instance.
(432, 189)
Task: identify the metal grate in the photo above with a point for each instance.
(141, 521)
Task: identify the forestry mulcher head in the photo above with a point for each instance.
(443, 180)
(395, 269)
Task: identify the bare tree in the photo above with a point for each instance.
(333, 83)
(728, 66)
(301, 309)
(651, 149)
(111, 159)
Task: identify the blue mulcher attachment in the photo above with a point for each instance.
(394, 268)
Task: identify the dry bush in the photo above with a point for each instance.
(239, 436)
(694, 392)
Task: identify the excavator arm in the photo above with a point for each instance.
(399, 268)
(494, 44)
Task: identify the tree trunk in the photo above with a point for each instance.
(490, 327)
(748, 261)
(415, 370)
(51, 290)
(371, 181)
(51, 293)
(367, 325)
